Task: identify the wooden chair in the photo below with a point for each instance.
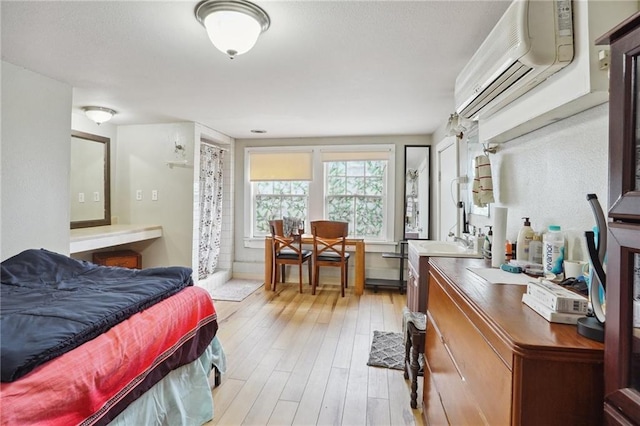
(329, 249)
(286, 250)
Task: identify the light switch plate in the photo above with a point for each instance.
(154, 195)
(138, 194)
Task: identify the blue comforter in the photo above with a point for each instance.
(50, 304)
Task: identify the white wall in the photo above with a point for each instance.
(142, 155)
(547, 174)
(249, 262)
(36, 134)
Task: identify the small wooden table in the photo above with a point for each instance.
(308, 239)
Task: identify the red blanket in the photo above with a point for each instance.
(96, 381)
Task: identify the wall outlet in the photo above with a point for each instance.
(96, 196)
(81, 197)
(154, 195)
(138, 194)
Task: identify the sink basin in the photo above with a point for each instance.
(442, 249)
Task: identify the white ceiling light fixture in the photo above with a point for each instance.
(233, 25)
(99, 114)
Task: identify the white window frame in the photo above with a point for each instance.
(317, 184)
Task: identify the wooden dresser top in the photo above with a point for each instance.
(499, 308)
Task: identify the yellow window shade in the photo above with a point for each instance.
(266, 166)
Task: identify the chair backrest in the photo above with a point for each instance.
(276, 227)
(279, 241)
(329, 236)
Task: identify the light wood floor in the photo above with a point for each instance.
(298, 359)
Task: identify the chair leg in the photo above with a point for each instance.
(310, 272)
(315, 279)
(274, 275)
(282, 272)
(300, 277)
(343, 274)
(346, 274)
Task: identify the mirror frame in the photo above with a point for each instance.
(404, 192)
(106, 220)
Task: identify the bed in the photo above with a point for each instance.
(94, 345)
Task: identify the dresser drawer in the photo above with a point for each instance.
(472, 368)
(121, 258)
(446, 397)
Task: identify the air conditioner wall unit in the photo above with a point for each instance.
(532, 40)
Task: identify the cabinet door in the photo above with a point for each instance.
(624, 128)
(412, 289)
(622, 334)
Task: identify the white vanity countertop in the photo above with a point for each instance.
(433, 248)
(84, 239)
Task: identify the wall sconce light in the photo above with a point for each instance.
(180, 149)
(233, 25)
(99, 114)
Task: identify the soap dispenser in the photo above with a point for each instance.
(525, 236)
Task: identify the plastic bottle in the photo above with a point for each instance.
(553, 250)
(535, 249)
(525, 236)
(508, 250)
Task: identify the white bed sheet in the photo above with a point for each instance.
(183, 397)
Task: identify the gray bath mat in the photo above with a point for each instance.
(235, 290)
(387, 350)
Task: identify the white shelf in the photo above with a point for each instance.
(85, 239)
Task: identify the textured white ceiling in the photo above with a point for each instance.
(324, 68)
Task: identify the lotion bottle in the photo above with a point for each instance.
(535, 249)
(525, 236)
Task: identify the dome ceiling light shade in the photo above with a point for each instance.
(99, 114)
(234, 25)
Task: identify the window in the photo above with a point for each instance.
(355, 194)
(276, 199)
(350, 183)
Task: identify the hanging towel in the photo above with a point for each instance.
(482, 182)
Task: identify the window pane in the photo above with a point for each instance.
(337, 168)
(300, 188)
(340, 208)
(336, 186)
(369, 216)
(266, 208)
(355, 185)
(294, 207)
(375, 168)
(276, 200)
(355, 168)
(374, 186)
(264, 187)
(282, 187)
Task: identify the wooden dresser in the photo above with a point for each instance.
(492, 360)
(122, 258)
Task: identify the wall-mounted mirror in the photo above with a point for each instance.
(90, 180)
(417, 183)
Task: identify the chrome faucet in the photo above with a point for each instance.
(464, 241)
